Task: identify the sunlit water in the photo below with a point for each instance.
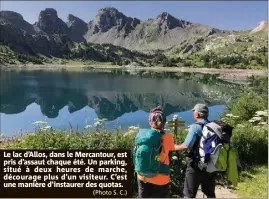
(64, 99)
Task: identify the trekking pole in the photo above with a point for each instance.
(175, 119)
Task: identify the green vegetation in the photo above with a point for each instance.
(248, 115)
(241, 50)
(254, 183)
(88, 53)
(106, 53)
(11, 57)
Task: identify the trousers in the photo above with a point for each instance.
(195, 177)
(149, 190)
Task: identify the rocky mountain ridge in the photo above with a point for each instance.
(112, 26)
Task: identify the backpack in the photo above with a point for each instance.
(214, 146)
(146, 153)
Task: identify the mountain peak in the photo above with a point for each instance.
(17, 21)
(164, 15)
(73, 19)
(110, 17)
(263, 25)
(49, 22)
(170, 21)
(10, 15)
(77, 28)
(49, 11)
(109, 12)
(108, 9)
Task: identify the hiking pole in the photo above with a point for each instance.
(175, 124)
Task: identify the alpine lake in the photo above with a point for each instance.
(66, 99)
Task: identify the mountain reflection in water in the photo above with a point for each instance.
(76, 97)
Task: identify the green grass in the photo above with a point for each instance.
(254, 183)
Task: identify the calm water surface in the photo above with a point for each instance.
(124, 98)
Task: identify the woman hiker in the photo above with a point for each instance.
(157, 186)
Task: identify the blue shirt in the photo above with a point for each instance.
(194, 131)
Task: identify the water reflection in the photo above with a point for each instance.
(111, 94)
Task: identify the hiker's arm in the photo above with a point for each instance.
(180, 147)
(189, 140)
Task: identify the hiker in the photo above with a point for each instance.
(152, 168)
(195, 174)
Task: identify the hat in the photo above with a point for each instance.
(200, 108)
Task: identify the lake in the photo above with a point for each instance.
(124, 98)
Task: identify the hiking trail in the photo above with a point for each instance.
(221, 192)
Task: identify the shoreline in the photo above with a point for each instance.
(224, 73)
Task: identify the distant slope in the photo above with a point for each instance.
(239, 49)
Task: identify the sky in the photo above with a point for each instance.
(226, 15)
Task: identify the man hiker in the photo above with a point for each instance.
(195, 173)
(153, 178)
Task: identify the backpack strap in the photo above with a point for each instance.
(164, 169)
(194, 154)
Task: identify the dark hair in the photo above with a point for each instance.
(157, 117)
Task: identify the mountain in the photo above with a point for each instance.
(23, 37)
(169, 41)
(113, 27)
(17, 20)
(165, 31)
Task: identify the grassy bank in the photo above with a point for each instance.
(254, 183)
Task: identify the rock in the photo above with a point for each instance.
(263, 25)
(108, 18)
(77, 28)
(188, 48)
(11, 16)
(25, 38)
(211, 32)
(169, 21)
(17, 20)
(49, 22)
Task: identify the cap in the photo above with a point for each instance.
(201, 108)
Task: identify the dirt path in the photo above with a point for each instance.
(221, 192)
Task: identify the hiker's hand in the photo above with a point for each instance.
(180, 147)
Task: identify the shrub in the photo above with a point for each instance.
(248, 114)
(247, 104)
(252, 144)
